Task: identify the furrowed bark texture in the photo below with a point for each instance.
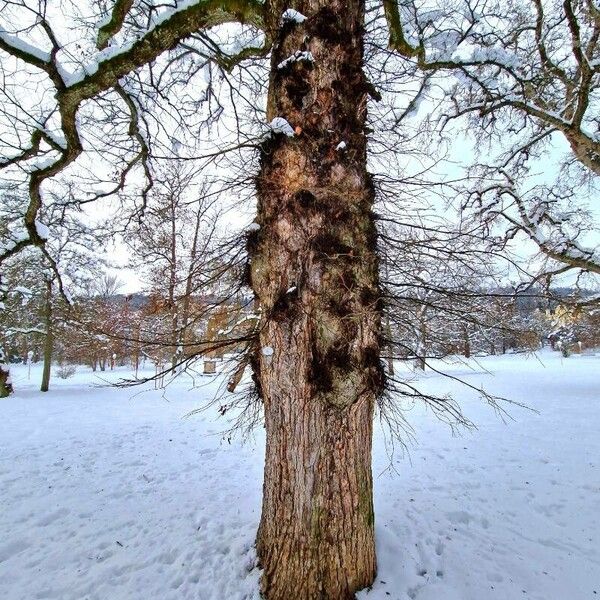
(314, 270)
(48, 340)
(6, 388)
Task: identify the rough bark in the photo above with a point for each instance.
(315, 273)
(6, 388)
(49, 338)
(585, 149)
(466, 342)
(421, 362)
(390, 345)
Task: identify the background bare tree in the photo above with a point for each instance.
(173, 249)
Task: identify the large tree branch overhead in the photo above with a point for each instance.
(517, 77)
(114, 24)
(540, 61)
(102, 73)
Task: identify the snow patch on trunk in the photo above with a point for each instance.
(292, 16)
(280, 125)
(296, 57)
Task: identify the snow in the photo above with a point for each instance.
(67, 296)
(42, 230)
(104, 20)
(176, 145)
(267, 351)
(17, 238)
(112, 493)
(15, 330)
(253, 227)
(593, 63)
(296, 57)
(109, 53)
(23, 290)
(280, 125)
(23, 46)
(42, 163)
(504, 512)
(292, 16)
(341, 146)
(125, 498)
(57, 137)
(496, 54)
(112, 51)
(245, 319)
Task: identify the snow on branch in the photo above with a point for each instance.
(292, 16)
(298, 56)
(23, 50)
(24, 331)
(537, 62)
(103, 73)
(42, 230)
(173, 25)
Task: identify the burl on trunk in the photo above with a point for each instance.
(314, 270)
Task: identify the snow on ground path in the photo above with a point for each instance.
(105, 496)
(510, 511)
(109, 496)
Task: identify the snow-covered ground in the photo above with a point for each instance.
(113, 494)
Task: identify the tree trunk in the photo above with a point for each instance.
(189, 286)
(466, 342)
(6, 388)
(390, 345)
(421, 362)
(49, 339)
(173, 266)
(137, 349)
(315, 273)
